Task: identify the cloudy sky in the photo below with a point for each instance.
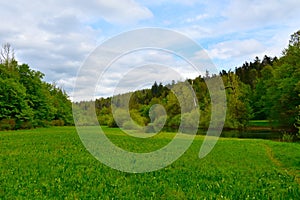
(55, 37)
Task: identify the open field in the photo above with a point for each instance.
(52, 163)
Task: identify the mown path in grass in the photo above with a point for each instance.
(52, 163)
(286, 156)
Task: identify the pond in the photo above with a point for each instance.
(262, 134)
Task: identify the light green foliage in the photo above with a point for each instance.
(137, 118)
(121, 116)
(52, 163)
(288, 137)
(173, 107)
(238, 106)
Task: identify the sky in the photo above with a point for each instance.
(57, 37)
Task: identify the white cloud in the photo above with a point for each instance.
(235, 48)
(236, 31)
(234, 53)
(164, 2)
(114, 11)
(197, 18)
(196, 31)
(135, 70)
(249, 14)
(54, 37)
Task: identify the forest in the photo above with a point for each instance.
(26, 101)
(266, 88)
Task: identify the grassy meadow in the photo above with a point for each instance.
(52, 163)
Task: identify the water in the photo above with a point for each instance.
(255, 134)
(271, 135)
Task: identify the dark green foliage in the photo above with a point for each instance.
(26, 101)
(282, 87)
(275, 86)
(13, 102)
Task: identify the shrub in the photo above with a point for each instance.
(120, 117)
(103, 119)
(288, 137)
(174, 122)
(26, 125)
(136, 117)
(41, 123)
(112, 123)
(7, 124)
(58, 122)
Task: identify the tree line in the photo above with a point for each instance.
(263, 89)
(26, 101)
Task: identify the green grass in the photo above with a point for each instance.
(259, 123)
(262, 123)
(52, 163)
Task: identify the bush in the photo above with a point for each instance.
(112, 123)
(136, 116)
(103, 119)
(120, 117)
(26, 125)
(41, 123)
(289, 137)
(58, 122)
(174, 122)
(7, 124)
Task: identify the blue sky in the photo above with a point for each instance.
(55, 37)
